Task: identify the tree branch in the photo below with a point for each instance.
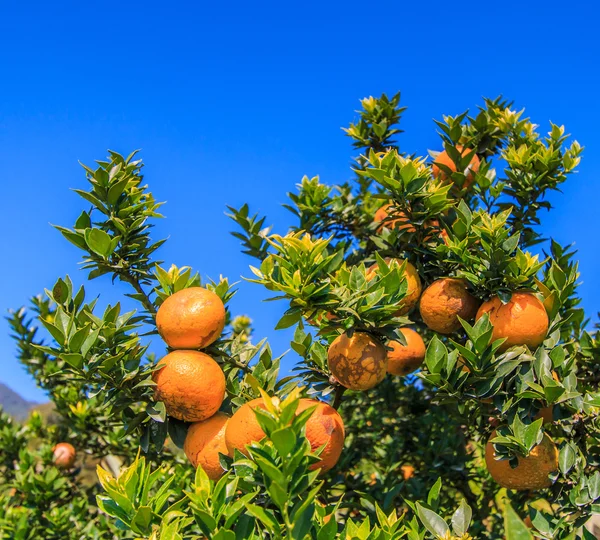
(337, 399)
(144, 298)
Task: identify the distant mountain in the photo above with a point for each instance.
(14, 404)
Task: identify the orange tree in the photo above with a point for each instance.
(443, 333)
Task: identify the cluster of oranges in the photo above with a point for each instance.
(191, 384)
(360, 362)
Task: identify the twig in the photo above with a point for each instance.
(144, 298)
(337, 399)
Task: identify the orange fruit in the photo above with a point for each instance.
(413, 283)
(204, 442)
(444, 159)
(64, 455)
(324, 427)
(408, 471)
(532, 471)
(358, 362)
(192, 318)
(400, 222)
(243, 427)
(404, 359)
(522, 321)
(547, 414)
(443, 302)
(191, 385)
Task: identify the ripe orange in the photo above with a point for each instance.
(191, 385)
(532, 471)
(522, 321)
(413, 283)
(324, 427)
(192, 318)
(358, 362)
(443, 302)
(405, 359)
(64, 455)
(400, 222)
(408, 471)
(444, 159)
(204, 442)
(243, 428)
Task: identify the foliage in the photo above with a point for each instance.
(413, 464)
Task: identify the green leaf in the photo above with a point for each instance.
(177, 431)
(436, 356)
(433, 522)
(514, 528)
(266, 517)
(60, 291)
(99, 242)
(222, 534)
(157, 411)
(288, 320)
(566, 458)
(284, 441)
(83, 221)
(303, 522)
(142, 520)
(54, 331)
(434, 493)
(329, 530)
(270, 470)
(73, 359)
(461, 519)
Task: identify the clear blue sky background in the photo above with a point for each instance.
(236, 103)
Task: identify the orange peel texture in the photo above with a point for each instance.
(192, 318)
(204, 442)
(522, 321)
(404, 359)
(358, 362)
(532, 471)
(191, 385)
(443, 302)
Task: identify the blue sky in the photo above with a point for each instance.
(235, 103)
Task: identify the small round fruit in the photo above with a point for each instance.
(413, 284)
(324, 427)
(64, 455)
(404, 359)
(358, 362)
(191, 385)
(408, 471)
(400, 221)
(522, 321)
(443, 302)
(243, 427)
(532, 471)
(192, 318)
(444, 159)
(204, 442)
